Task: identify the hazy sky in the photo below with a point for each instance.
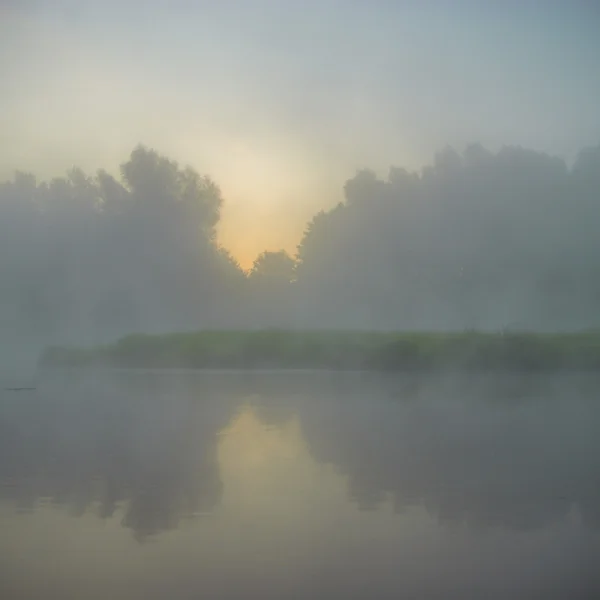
(280, 101)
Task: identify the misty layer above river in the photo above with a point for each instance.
(510, 452)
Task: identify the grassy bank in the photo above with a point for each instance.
(339, 350)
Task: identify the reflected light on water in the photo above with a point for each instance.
(201, 487)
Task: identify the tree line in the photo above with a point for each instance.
(476, 240)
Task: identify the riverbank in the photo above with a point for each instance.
(338, 350)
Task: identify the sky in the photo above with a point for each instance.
(281, 101)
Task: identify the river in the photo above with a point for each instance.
(300, 485)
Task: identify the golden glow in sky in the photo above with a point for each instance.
(281, 102)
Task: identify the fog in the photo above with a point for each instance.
(269, 166)
(476, 240)
(141, 484)
(401, 166)
(281, 103)
(147, 443)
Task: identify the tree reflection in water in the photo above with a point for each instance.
(517, 455)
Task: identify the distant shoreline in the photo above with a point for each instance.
(338, 351)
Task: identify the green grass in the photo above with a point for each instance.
(339, 350)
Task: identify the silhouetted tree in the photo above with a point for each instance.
(90, 258)
(270, 281)
(276, 267)
(477, 239)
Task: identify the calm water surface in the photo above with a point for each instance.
(182, 485)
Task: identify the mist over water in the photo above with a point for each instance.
(264, 485)
(280, 181)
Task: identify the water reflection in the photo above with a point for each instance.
(155, 444)
(142, 443)
(520, 461)
(316, 483)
